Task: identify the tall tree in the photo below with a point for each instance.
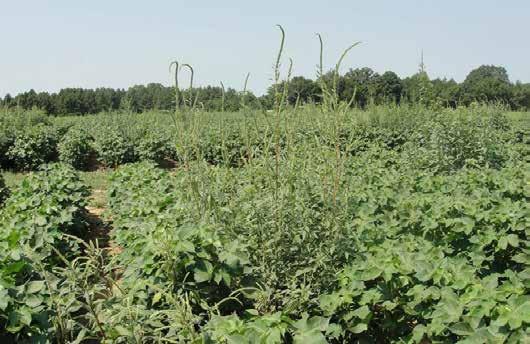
(362, 81)
(487, 83)
(521, 96)
(302, 90)
(446, 92)
(388, 88)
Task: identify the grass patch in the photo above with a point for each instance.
(96, 180)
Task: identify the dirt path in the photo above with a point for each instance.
(99, 228)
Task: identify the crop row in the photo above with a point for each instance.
(39, 221)
(217, 256)
(393, 254)
(448, 138)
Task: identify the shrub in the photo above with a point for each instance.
(154, 146)
(4, 191)
(113, 148)
(452, 141)
(75, 148)
(33, 147)
(6, 141)
(224, 147)
(11, 125)
(20, 120)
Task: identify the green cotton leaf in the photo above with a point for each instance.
(318, 323)
(201, 276)
(452, 307)
(226, 277)
(312, 337)
(513, 240)
(185, 246)
(370, 274)
(503, 243)
(424, 270)
(80, 337)
(461, 329)
(24, 316)
(66, 216)
(330, 302)
(361, 312)
(204, 272)
(122, 331)
(522, 258)
(359, 328)
(389, 305)
(233, 258)
(524, 312)
(217, 277)
(519, 315)
(484, 335)
(156, 298)
(309, 330)
(334, 331)
(34, 287)
(237, 339)
(469, 223)
(272, 336)
(418, 333)
(4, 298)
(41, 221)
(252, 312)
(33, 301)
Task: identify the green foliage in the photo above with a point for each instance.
(137, 98)
(273, 328)
(174, 250)
(411, 290)
(113, 147)
(4, 191)
(6, 141)
(389, 87)
(487, 84)
(75, 149)
(419, 89)
(300, 91)
(362, 81)
(12, 123)
(35, 218)
(451, 141)
(404, 223)
(33, 147)
(521, 96)
(420, 255)
(154, 146)
(446, 92)
(390, 224)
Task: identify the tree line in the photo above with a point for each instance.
(365, 86)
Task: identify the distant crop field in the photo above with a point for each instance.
(518, 115)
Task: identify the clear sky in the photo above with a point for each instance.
(48, 45)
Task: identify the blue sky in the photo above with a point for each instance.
(48, 45)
